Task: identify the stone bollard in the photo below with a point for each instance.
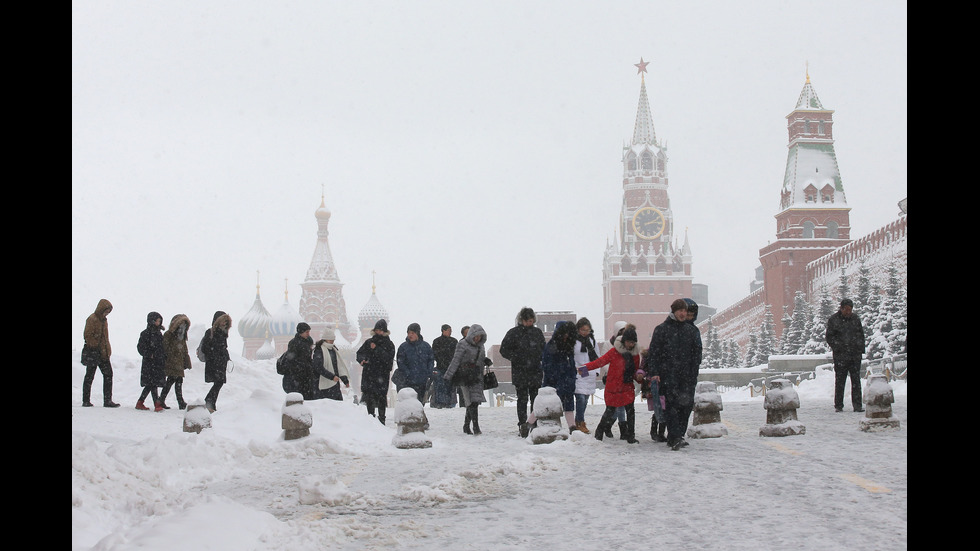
(296, 417)
(878, 396)
(548, 413)
(707, 412)
(781, 404)
(197, 417)
(411, 422)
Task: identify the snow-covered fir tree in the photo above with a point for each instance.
(843, 290)
(712, 358)
(734, 354)
(817, 343)
(785, 321)
(752, 352)
(795, 335)
(864, 288)
(767, 337)
(889, 332)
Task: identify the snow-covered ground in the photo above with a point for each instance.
(139, 482)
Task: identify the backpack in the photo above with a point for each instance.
(200, 347)
(281, 364)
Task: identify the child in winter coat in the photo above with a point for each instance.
(624, 362)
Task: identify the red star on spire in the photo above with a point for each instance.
(641, 67)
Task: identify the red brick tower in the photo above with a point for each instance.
(647, 269)
(813, 219)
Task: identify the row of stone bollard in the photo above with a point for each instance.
(781, 404)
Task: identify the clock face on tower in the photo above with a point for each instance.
(648, 223)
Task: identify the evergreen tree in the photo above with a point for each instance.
(817, 344)
(794, 336)
(863, 288)
(843, 290)
(767, 337)
(752, 353)
(786, 321)
(712, 359)
(734, 354)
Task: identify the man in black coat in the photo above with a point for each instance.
(523, 345)
(376, 357)
(298, 374)
(845, 335)
(673, 360)
(444, 347)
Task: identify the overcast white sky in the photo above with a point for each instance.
(469, 151)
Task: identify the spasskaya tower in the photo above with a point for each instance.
(645, 268)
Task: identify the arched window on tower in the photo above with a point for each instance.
(631, 161)
(832, 232)
(626, 265)
(808, 228)
(641, 266)
(646, 160)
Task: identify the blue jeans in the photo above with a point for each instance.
(581, 401)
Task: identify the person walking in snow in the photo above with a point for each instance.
(150, 346)
(443, 349)
(330, 368)
(623, 360)
(416, 361)
(376, 356)
(176, 359)
(673, 360)
(558, 369)
(298, 366)
(584, 352)
(845, 335)
(466, 373)
(95, 354)
(214, 345)
(523, 345)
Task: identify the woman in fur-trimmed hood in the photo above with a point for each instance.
(469, 361)
(215, 347)
(177, 359)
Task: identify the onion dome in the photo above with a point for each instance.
(285, 319)
(372, 312)
(267, 351)
(255, 323)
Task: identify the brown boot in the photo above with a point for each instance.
(582, 427)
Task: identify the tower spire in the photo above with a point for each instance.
(643, 131)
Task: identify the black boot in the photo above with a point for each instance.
(475, 417)
(466, 423)
(661, 429)
(624, 433)
(631, 432)
(653, 429)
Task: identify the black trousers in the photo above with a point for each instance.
(844, 368)
(525, 395)
(152, 390)
(678, 413)
(106, 368)
(178, 385)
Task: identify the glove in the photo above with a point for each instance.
(487, 362)
(583, 371)
(345, 380)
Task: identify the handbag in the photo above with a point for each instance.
(90, 356)
(489, 379)
(399, 379)
(466, 374)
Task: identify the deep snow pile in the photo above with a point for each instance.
(138, 481)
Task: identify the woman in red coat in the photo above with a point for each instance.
(623, 361)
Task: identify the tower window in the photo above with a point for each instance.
(832, 232)
(647, 160)
(808, 228)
